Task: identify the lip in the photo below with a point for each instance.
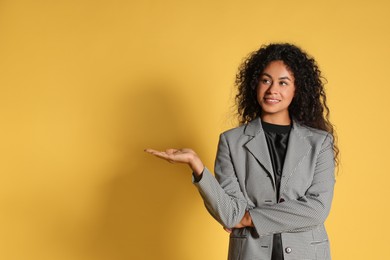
(271, 100)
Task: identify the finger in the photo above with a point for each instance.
(169, 155)
(162, 155)
(151, 151)
(156, 153)
(171, 151)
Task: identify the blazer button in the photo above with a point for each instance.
(288, 250)
(281, 200)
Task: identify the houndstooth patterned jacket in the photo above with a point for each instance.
(244, 181)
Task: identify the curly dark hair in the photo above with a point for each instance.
(308, 106)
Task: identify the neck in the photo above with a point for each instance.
(276, 120)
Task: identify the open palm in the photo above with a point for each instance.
(184, 155)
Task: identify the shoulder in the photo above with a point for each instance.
(317, 132)
(239, 130)
(315, 135)
(235, 135)
(250, 129)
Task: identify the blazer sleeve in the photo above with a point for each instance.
(222, 195)
(307, 211)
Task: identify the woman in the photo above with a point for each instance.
(274, 174)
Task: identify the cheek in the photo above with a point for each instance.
(289, 94)
(259, 96)
(293, 91)
(260, 91)
(292, 94)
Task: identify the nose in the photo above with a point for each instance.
(273, 88)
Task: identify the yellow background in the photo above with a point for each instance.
(86, 85)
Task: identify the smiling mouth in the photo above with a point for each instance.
(271, 100)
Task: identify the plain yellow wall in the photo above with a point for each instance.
(86, 85)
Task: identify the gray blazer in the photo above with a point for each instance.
(244, 181)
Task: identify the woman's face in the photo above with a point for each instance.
(275, 92)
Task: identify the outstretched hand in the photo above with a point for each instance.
(185, 155)
(173, 155)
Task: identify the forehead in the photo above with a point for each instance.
(277, 68)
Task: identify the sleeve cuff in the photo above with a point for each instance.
(197, 179)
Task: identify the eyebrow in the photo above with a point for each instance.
(285, 77)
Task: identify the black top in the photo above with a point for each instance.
(277, 140)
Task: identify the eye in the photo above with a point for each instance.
(283, 83)
(265, 81)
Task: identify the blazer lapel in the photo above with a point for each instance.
(297, 149)
(258, 147)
